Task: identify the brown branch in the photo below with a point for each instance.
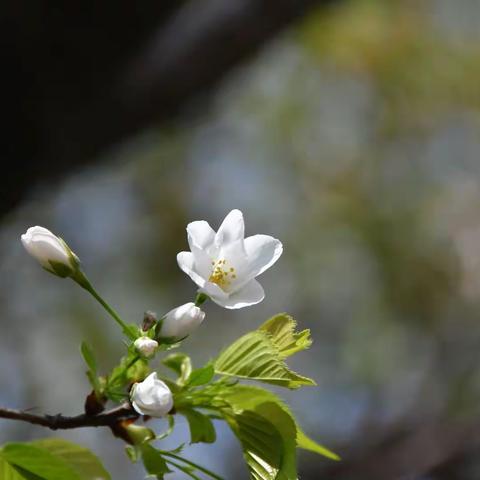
(109, 418)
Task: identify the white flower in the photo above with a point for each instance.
(146, 346)
(224, 264)
(181, 321)
(52, 252)
(151, 397)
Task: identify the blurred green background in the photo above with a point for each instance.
(354, 137)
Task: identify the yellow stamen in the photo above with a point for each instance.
(219, 274)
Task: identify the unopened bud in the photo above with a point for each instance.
(149, 320)
(50, 251)
(138, 434)
(146, 346)
(151, 397)
(94, 405)
(181, 321)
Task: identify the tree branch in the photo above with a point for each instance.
(61, 422)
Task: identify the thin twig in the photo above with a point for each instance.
(62, 422)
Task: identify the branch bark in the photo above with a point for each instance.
(61, 422)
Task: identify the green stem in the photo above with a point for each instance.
(194, 465)
(166, 433)
(182, 469)
(83, 281)
(132, 361)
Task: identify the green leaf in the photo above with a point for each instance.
(132, 368)
(83, 460)
(89, 358)
(247, 397)
(132, 453)
(10, 472)
(200, 376)
(52, 459)
(255, 356)
(201, 427)
(307, 443)
(132, 331)
(261, 443)
(281, 329)
(39, 462)
(266, 431)
(154, 462)
(180, 364)
(189, 467)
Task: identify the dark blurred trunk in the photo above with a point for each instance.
(79, 77)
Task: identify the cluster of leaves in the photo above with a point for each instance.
(262, 422)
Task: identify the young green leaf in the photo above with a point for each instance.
(132, 331)
(281, 329)
(51, 459)
(248, 398)
(201, 427)
(154, 462)
(38, 461)
(255, 356)
(132, 368)
(261, 443)
(307, 443)
(80, 458)
(200, 376)
(89, 358)
(11, 472)
(188, 466)
(267, 434)
(180, 364)
(87, 354)
(132, 453)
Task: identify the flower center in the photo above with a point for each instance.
(221, 274)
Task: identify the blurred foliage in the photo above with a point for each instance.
(419, 73)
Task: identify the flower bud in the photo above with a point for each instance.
(51, 252)
(149, 320)
(137, 434)
(181, 321)
(145, 346)
(151, 397)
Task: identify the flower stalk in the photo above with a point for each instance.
(83, 281)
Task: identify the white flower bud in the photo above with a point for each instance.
(181, 321)
(50, 251)
(151, 397)
(145, 346)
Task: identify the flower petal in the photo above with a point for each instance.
(262, 252)
(186, 262)
(200, 234)
(42, 244)
(203, 262)
(250, 294)
(231, 229)
(214, 292)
